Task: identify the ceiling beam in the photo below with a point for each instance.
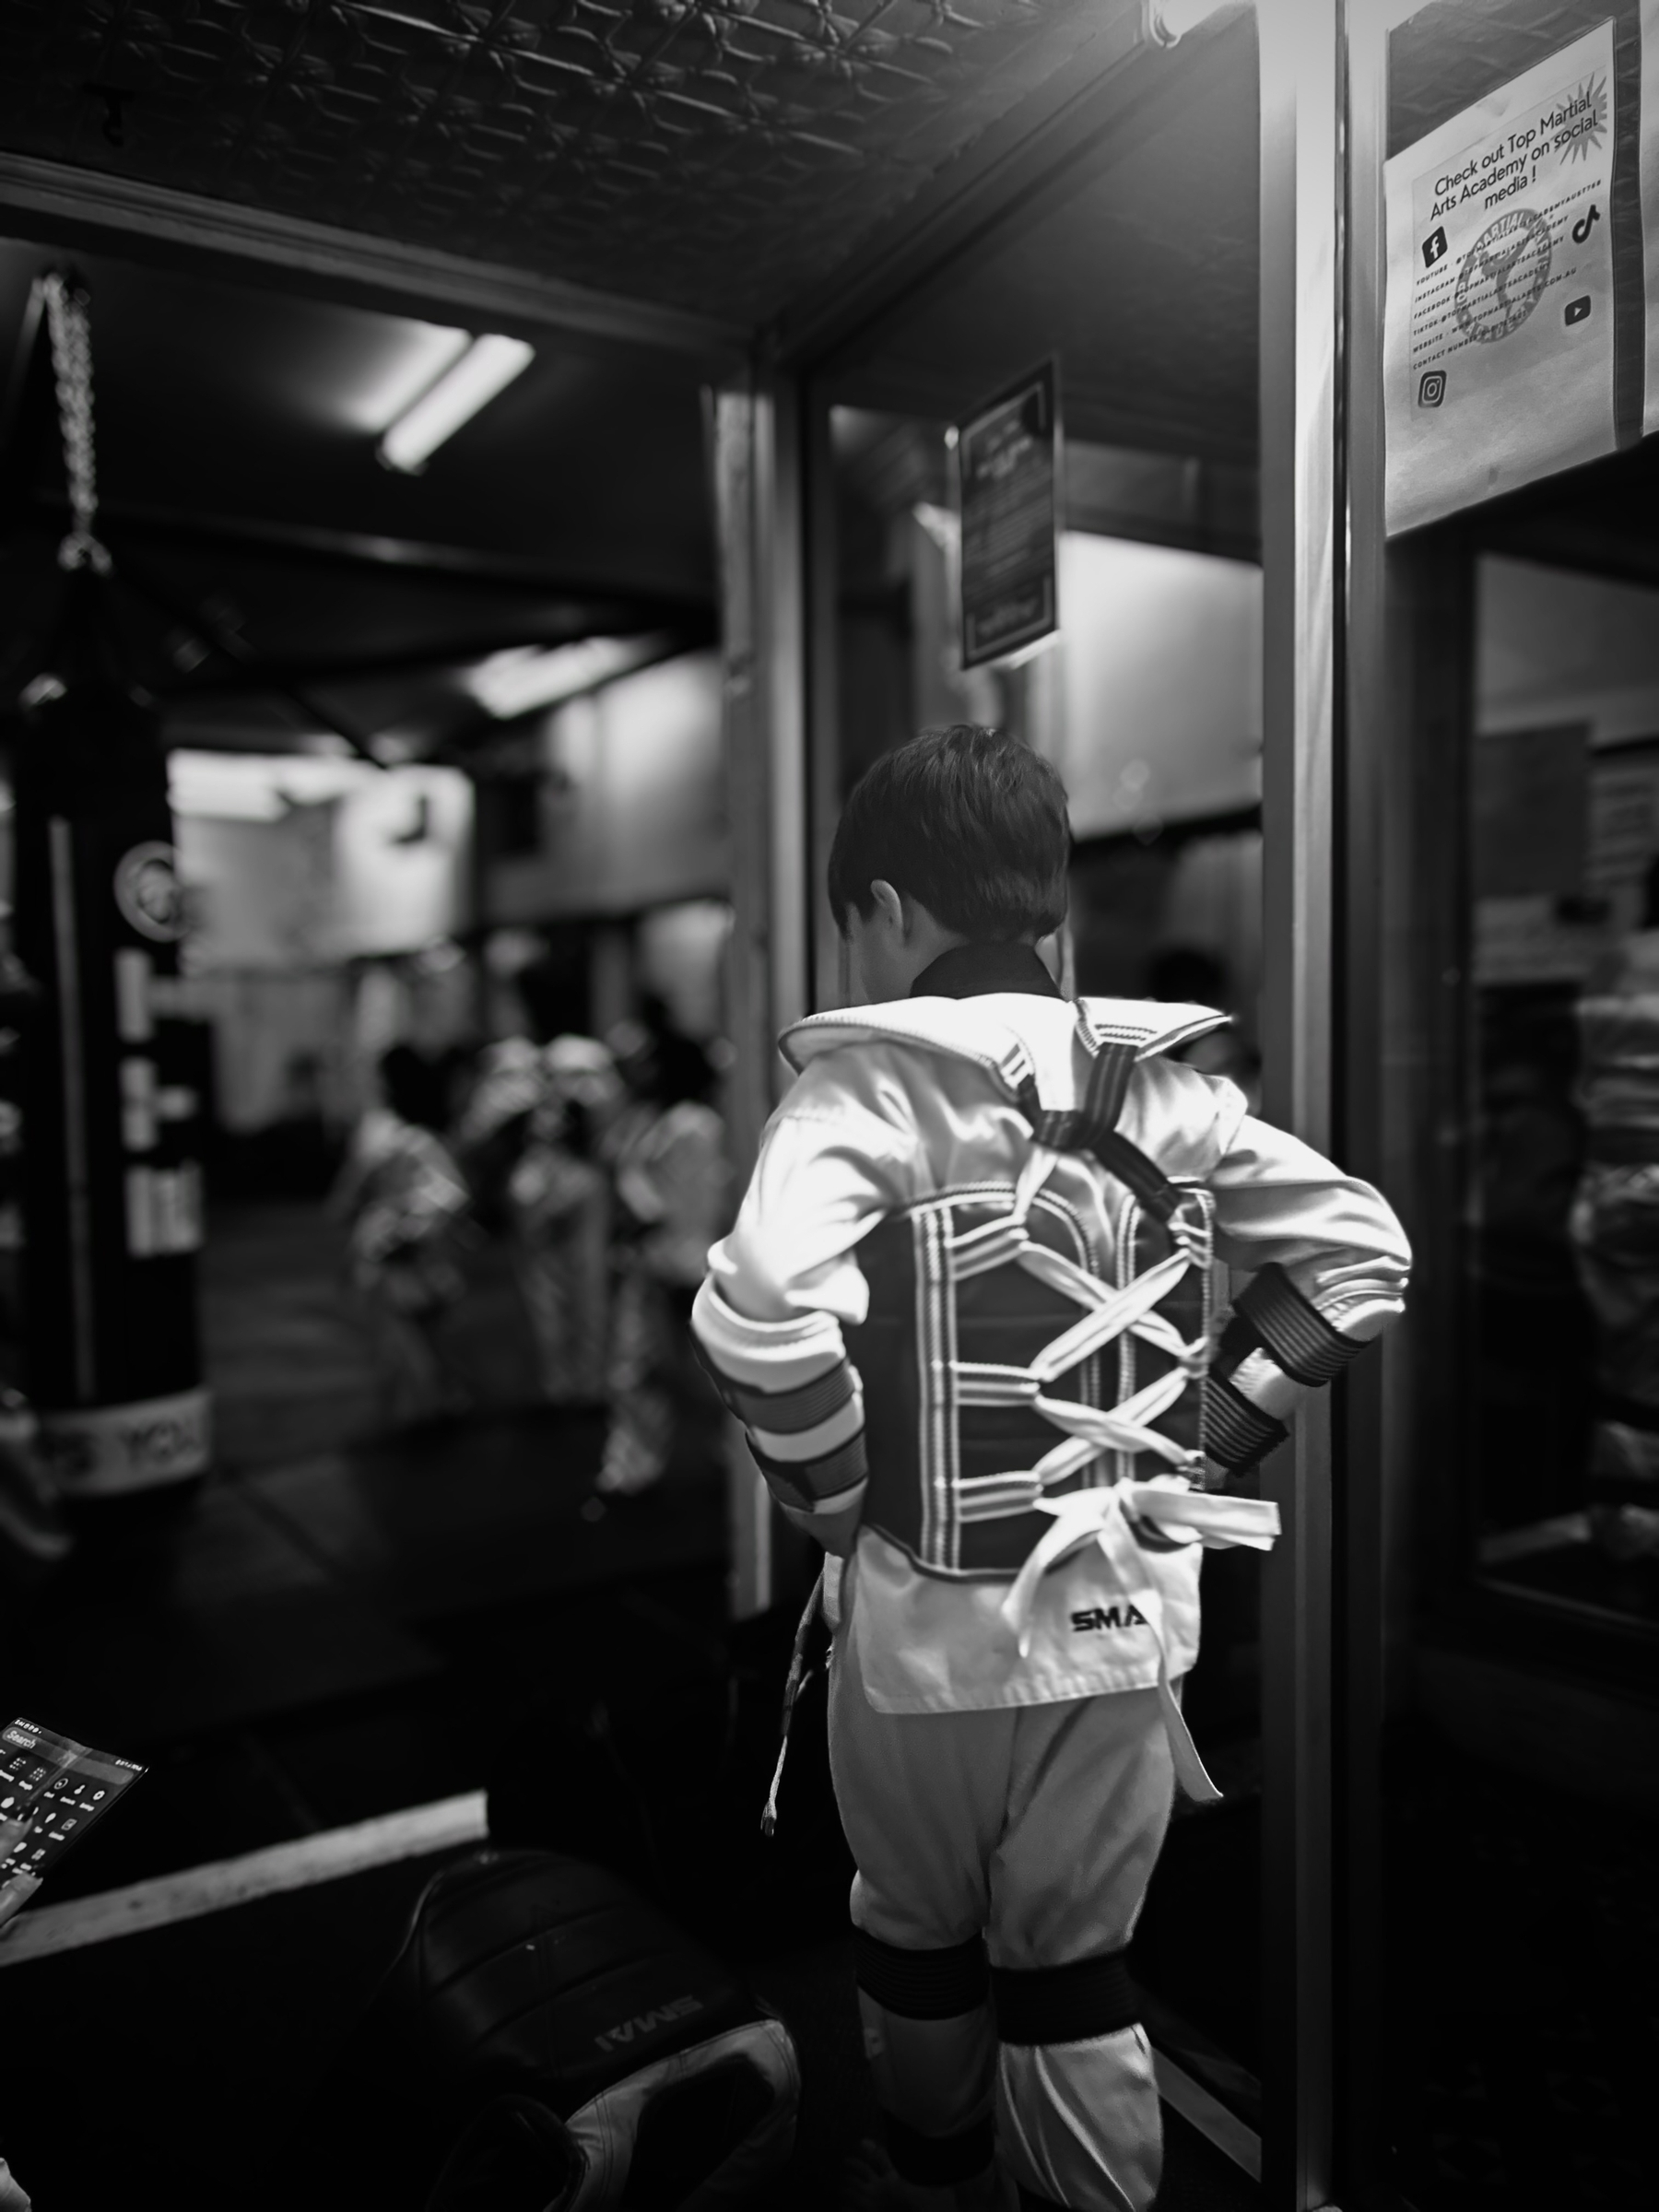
(1094, 413)
(490, 745)
(225, 641)
(90, 211)
(609, 619)
(313, 543)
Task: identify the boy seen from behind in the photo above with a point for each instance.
(967, 1316)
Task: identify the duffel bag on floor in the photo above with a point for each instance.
(546, 2040)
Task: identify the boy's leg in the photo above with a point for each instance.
(406, 1368)
(1090, 1786)
(544, 1286)
(921, 1798)
(591, 1288)
(641, 1431)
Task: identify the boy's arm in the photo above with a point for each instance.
(768, 1319)
(1328, 1263)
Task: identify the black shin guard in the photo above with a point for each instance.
(1065, 2004)
(922, 1985)
(927, 1986)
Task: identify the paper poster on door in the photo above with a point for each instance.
(1498, 331)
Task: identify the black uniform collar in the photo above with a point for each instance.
(970, 971)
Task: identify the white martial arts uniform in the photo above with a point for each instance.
(1022, 1595)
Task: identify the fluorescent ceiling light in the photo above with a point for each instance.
(411, 358)
(518, 682)
(488, 366)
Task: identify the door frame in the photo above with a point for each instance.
(1320, 461)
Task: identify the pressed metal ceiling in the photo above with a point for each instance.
(719, 155)
(1140, 280)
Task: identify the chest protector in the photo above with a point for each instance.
(1026, 1340)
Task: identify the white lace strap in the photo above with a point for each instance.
(1086, 1336)
(1099, 1516)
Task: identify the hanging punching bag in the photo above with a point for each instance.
(112, 1184)
(111, 1175)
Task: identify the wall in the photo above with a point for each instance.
(1148, 702)
(1152, 708)
(633, 809)
(402, 862)
(681, 954)
(261, 892)
(286, 894)
(335, 880)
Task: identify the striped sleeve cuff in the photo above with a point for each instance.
(1278, 1344)
(792, 1385)
(1238, 1433)
(1273, 1315)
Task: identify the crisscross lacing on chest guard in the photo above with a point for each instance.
(1035, 1359)
(1025, 1343)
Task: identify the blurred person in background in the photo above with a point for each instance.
(405, 1205)
(673, 1199)
(509, 1084)
(558, 1207)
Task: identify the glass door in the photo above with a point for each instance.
(1149, 702)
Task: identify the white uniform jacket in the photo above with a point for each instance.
(913, 1107)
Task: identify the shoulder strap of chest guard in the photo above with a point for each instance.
(1093, 1126)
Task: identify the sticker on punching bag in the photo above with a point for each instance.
(150, 894)
(98, 1451)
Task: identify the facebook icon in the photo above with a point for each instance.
(1434, 248)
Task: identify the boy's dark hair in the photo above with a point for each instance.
(967, 821)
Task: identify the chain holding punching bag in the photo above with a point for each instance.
(112, 1181)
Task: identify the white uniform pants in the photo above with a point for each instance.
(1036, 1827)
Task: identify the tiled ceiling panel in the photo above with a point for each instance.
(718, 155)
